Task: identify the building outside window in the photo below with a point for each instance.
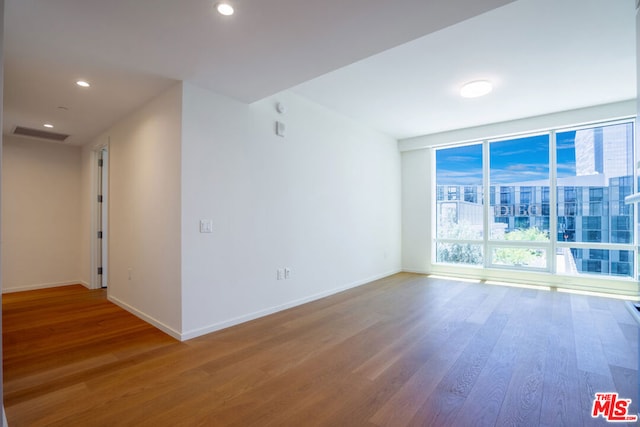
(594, 227)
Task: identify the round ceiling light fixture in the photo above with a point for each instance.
(83, 83)
(476, 88)
(224, 8)
(48, 125)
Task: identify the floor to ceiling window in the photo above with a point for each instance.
(459, 207)
(550, 202)
(519, 183)
(594, 174)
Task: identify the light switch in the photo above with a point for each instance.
(280, 129)
(206, 226)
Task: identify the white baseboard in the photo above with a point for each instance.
(11, 289)
(164, 328)
(409, 270)
(261, 313)
(217, 326)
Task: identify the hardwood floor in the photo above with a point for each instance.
(405, 350)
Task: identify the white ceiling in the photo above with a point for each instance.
(407, 57)
(543, 56)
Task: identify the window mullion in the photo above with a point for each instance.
(486, 193)
(553, 205)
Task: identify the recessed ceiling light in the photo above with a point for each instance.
(224, 8)
(476, 88)
(48, 125)
(83, 83)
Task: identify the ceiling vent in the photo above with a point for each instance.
(40, 134)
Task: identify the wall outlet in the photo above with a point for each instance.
(280, 274)
(287, 272)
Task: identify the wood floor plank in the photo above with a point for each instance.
(626, 383)
(495, 298)
(49, 409)
(561, 404)
(589, 347)
(485, 400)
(610, 334)
(402, 407)
(445, 402)
(523, 400)
(404, 350)
(631, 333)
(590, 384)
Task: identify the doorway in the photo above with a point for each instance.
(101, 209)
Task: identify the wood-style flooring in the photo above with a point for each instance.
(407, 350)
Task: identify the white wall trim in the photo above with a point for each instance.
(612, 286)
(151, 320)
(414, 271)
(9, 289)
(271, 310)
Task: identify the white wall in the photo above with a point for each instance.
(416, 210)
(40, 214)
(144, 211)
(324, 201)
(86, 223)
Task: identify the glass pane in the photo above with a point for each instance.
(595, 174)
(459, 192)
(576, 261)
(519, 257)
(519, 192)
(459, 253)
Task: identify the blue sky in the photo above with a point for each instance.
(566, 153)
(459, 165)
(512, 161)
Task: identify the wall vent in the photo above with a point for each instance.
(40, 134)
